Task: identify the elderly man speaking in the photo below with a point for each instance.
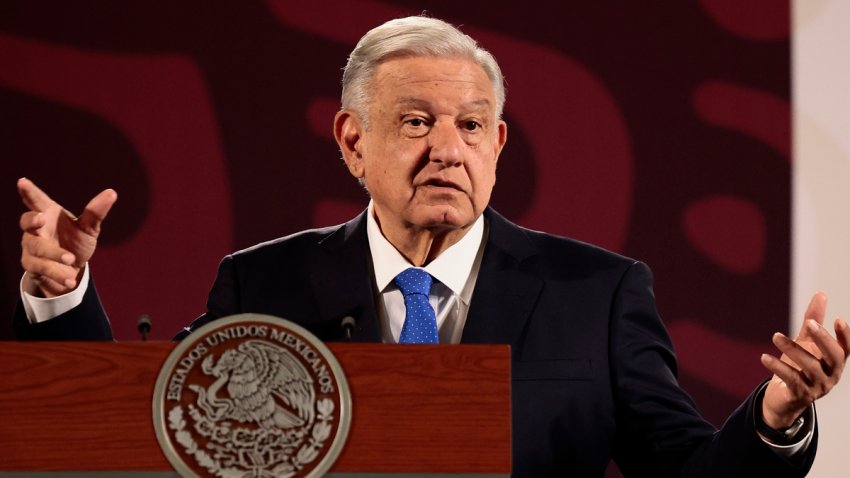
(594, 375)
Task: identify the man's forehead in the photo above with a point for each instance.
(416, 69)
(405, 102)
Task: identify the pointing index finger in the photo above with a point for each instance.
(34, 198)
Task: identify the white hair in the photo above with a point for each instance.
(411, 36)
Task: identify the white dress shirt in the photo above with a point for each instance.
(455, 271)
(40, 309)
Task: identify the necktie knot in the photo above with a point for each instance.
(414, 281)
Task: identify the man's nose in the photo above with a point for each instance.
(446, 145)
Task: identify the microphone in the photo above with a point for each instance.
(347, 325)
(144, 326)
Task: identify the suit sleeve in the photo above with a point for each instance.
(660, 432)
(87, 321)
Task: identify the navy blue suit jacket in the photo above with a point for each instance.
(593, 370)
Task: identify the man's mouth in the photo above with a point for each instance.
(441, 183)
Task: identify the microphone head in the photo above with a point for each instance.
(144, 323)
(347, 325)
(348, 321)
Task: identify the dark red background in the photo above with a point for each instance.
(659, 129)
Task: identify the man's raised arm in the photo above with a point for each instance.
(55, 248)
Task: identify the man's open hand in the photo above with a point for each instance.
(810, 367)
(56, 244)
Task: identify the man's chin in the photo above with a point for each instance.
(444, 217)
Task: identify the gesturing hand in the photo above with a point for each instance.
(809, 368)
(56, 244)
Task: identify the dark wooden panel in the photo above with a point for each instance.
(87, 406)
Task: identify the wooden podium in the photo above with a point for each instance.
(77, 407)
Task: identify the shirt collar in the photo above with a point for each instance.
(452, 267)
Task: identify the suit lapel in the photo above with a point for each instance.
(504, 295)
(503, 299)
(342, 281)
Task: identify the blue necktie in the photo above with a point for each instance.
(420, 323)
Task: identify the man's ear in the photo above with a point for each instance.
(348, 132)
(501, 137)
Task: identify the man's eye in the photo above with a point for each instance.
(416, 122)
(471, 125)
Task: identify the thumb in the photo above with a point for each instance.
(815, 311)
(96, 211)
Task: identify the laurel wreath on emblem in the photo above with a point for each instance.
(271, 391)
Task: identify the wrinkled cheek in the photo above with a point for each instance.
(481, 195)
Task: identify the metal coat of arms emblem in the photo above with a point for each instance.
(251, 396)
